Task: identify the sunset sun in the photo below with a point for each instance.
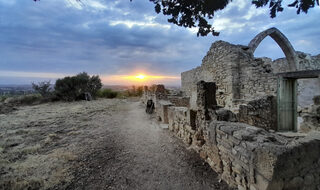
(141, 77)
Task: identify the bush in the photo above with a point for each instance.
(3, 98)
(43, 88)
(73, 88)
(107, 93)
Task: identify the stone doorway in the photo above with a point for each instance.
(287, 97)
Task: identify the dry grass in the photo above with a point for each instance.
(39, 144)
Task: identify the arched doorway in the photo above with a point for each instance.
(287, 87)
(283, 43)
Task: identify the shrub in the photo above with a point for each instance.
(43, 88)
(107, 93)
(3, 98)
(73, 88)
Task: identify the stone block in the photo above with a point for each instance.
(228, 128)
(261, 182)
(162, 110)
(309, 179)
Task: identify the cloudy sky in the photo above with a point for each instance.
(54, 38)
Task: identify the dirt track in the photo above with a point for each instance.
(103, 144)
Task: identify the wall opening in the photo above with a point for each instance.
(269, 48)
(307, 90)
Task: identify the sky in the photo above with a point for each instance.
(119, 39)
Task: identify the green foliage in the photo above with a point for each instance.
(73, 88)
(196, 13)
(43, 88)
(107, 93)
(3, 98)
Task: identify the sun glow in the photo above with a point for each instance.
(141, 77)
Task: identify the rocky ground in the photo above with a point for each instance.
(102, 144)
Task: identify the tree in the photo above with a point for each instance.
(43, 88)
(196, 13)
(74, 88)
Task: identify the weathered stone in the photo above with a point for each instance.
(240, 187)
(252, 187)
(162, 110)
(261, 182)
(225, 115)
(295, 184)
(245, 156)
(308, 179)
(260, 113)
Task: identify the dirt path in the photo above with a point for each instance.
(104, 144)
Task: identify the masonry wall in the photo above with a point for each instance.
(307, 88)
(248, 157)
(241, 78)
(217, 66)
(256, 79)
(238, 76)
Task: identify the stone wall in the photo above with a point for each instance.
(311, 116)
(217, 66)
(245, 156)
(305, 62)
(238, 75)
(231, 117)
(256, 79)
(241, 78)
(162, 107)
(248, 157)
(179, 101)
(261, 113)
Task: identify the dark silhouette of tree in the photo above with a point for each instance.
(196, 13)
(43, 88)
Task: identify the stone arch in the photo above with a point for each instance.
(281, 40)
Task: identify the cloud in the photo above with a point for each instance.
(120, 37)
(31, 74)
(131, 24)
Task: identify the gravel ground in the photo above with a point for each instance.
(102, 144)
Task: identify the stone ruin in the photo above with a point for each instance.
(232, 110)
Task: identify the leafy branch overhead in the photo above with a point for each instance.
(196, 13)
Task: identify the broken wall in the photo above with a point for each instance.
(217, 66)
(241, 78)
(245, 156)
